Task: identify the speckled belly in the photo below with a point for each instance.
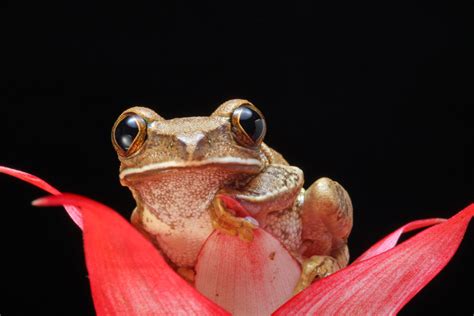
(180, 241)
(175, 210)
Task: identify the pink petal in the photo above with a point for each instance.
(246, 278)
(73, 211)
(127, 275)
(382, 284)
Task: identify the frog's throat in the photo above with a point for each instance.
(248, 165)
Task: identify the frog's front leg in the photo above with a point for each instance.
(327, 222)
(228, 222)
(274, 189)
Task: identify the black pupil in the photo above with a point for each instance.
(126, 131)
(251, 122)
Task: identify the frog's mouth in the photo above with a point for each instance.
(233, 164)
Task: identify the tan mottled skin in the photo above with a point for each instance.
(200, 158)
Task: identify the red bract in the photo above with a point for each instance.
(128, 276)
(384, 279)
(73, 211)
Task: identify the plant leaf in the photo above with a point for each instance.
(73, 211)
(246, 278)
(382, 283)
(127, 274)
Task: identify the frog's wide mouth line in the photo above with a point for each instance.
(250, 165)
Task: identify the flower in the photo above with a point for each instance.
(129, 276)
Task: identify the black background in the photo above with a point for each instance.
(377, 95)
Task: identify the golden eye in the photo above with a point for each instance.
(248, 125)
(129, 134)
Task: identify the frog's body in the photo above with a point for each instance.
(177, 169)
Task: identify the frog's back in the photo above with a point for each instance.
(274, 157)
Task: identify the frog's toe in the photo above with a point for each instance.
(225, 221)
(245, 232)
(314, 268)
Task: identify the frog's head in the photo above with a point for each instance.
(229, 141)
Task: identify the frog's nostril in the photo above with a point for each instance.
(191, 141)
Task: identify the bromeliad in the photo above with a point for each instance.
(223, 224)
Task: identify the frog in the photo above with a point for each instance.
(180, 172)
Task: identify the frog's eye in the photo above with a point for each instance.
(248, 125)
(129, 134)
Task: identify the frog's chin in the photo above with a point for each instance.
(232, 164)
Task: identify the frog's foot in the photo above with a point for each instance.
(316, 267)
(225, 221)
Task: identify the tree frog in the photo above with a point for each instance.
(179, 170)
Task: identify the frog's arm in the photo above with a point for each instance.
(276, 188)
